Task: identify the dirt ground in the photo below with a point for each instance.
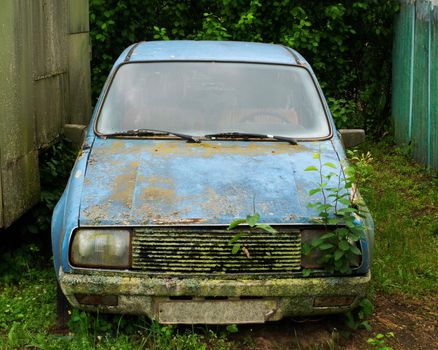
(413, 322)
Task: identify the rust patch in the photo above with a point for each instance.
(223, 203)
(97, 213)
(159, 194)
(180, 221)
(155, 214)
(118, 145)
(124, 186)
(204, 149)
(154, 180)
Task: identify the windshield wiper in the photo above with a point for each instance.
(252, 135)
(154, 132)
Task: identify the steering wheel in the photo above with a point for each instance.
(253, 115)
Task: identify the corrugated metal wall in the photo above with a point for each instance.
(415, 79)
(44, 84)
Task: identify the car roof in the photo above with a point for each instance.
(186, 50)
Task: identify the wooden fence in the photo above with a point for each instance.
(415, 79)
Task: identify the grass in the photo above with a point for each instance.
(401, 195)
(27, 319)
(27, 308)
(403, 199)
(28, 312)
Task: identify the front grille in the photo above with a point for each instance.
(207, 251)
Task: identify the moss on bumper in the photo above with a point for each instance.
(142, 295)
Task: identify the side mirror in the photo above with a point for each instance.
(352, 137)
(75, 133)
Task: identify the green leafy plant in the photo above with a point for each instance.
(232, 328)
(343, 112)
(337, 208)
(238, 241)
(378, 341)
(357, 318)
(55, 163)
(29, 237)
(93, 331)
(362, 163)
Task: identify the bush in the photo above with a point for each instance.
(55, 164)
(348, 43)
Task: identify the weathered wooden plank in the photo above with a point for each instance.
(17, 139)
(79, 73)
(421, 127)
(39, 70)
(20, 177)
(49, 30)
(6, 83)
(1, 201)
(402, 72)
(434, 88)
(16, 133)
(50, 65)
(78, 16)
(50, 107)
(420, 116)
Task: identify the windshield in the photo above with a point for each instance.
(202, 98)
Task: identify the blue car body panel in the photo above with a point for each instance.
(212, 51)
(168, 182)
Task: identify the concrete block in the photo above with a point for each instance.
(75, 133)
(352, 137)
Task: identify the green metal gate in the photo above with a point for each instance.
(415, 79)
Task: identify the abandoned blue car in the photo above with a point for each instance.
(186, 138)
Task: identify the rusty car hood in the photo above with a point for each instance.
(172, 182)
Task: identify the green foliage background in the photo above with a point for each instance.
(348, 43)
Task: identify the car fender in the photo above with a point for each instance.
(66, 213)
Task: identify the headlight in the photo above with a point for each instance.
(105, 248)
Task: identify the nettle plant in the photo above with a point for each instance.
(339, 207)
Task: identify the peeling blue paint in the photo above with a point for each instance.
(133, 182)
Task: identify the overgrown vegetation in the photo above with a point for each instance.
(32, 232)
(402, 197)
(378, 341)
(347, 43)
(337, 249)
(359, 318)
(55, 165)
(27, 317)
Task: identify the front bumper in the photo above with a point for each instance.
(214, 301)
